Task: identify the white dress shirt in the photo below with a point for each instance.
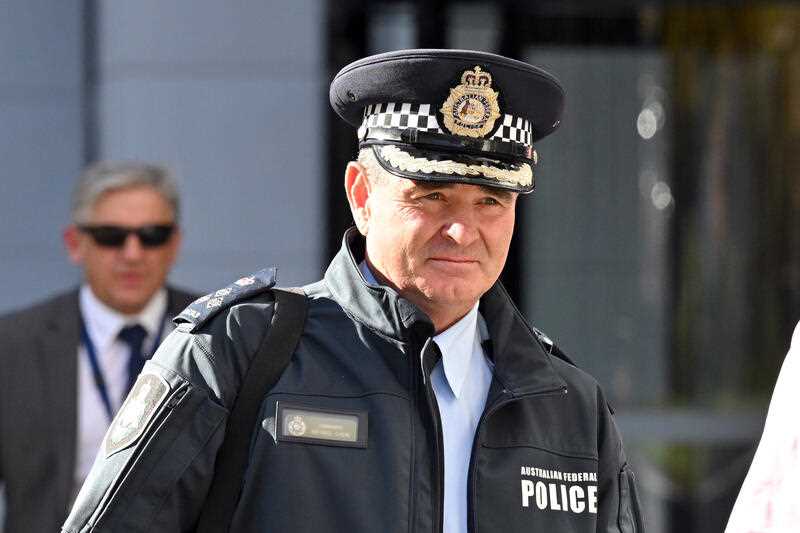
(769, 500)
(460, 381)
(103, 324)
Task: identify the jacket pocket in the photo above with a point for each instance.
(629, 520)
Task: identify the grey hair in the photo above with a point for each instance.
(107, 176)
(375, 172)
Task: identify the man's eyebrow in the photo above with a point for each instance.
(503, 194)
(431, 185)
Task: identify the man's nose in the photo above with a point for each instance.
(132, 248)
(461, 229)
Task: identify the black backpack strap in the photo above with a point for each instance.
(268, 364)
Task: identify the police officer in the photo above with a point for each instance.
(417, 397)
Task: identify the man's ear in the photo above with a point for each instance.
(358, 189)
(73, 244)
(174, 245)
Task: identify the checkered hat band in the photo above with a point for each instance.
(423, 117)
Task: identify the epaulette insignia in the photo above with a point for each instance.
(204, 308)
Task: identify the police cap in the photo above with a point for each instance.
(450, 115)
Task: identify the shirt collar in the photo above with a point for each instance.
(457, 346)
(369, 277)
(104, 323)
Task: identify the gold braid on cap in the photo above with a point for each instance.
(401, 160)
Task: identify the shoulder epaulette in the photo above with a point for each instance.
(550, 346)
(206, 307)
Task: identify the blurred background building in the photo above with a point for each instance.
(661, 248)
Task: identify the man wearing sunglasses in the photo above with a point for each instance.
(67, 363)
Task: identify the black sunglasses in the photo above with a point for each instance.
(115, 236)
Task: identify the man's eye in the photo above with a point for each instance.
(491, 201)
(434, 196)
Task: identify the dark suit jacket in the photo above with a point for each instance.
(38, 409)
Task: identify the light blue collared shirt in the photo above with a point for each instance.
(460, 381)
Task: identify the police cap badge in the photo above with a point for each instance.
(450, 115)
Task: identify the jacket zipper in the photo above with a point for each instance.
(438, 458)
(411, 493)
(438, 455)
(486, 414)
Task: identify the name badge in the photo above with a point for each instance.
(314, 425)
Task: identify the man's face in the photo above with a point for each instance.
(440, 245)
(125, 277)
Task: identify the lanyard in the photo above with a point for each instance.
(94, 362)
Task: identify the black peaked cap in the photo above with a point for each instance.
(530, 103)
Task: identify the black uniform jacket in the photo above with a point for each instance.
(357, 444)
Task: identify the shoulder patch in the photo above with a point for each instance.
(204, 308)
(141, 405)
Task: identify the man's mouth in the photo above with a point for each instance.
(131, 277)
(455, 260)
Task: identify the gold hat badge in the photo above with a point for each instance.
(471, 109)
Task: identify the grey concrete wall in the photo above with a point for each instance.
(41, 143)
(232, 96)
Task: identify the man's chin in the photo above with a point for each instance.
(456, 292)
(129, 301)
